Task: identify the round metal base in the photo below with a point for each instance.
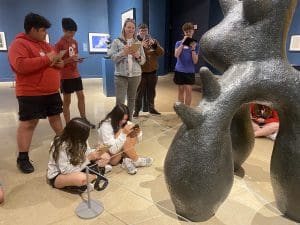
(83, 211)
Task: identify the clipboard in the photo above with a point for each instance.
(134, 47)
(58, 57)
(188, 41)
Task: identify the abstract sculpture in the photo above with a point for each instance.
(248, 45)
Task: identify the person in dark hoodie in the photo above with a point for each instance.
(37, 68)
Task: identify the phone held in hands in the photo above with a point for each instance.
(135, 127)
(188, 41)
(58, 57)
(147, 37)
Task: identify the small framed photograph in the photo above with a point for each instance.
(130, 13)
(3, 46)
(98, 42)
(295, 43)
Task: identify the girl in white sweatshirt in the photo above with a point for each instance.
(70, 154)
(121, 135)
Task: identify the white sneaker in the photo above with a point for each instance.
(128, 165)
(108, 168)
(89, 187)
(272, 136)
(143, 161)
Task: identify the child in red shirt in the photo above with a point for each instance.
(70, 77)
(37, 68)
(265, 121)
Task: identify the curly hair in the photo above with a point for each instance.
(36, 21)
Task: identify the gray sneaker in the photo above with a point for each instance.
(143, 161)
(128, 165)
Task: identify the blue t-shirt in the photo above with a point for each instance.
(185, 62)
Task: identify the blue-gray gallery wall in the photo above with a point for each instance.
(215, 16)
(116, 8)
(158, 26)
(165, 18)
(294, 57)
(90, 15)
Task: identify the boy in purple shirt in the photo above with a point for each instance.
(186, 52)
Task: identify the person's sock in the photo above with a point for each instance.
(23, 155)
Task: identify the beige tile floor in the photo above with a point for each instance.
(140, 199)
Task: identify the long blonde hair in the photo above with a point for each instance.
(128, 20)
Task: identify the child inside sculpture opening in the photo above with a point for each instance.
(265, 121)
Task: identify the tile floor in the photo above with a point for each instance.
(140, 199)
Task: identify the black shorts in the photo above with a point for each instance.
(39, 107)
(181, 78)
(68, 86)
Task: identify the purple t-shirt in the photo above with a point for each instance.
(185, 62)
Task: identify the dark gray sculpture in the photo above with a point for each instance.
(248, 45)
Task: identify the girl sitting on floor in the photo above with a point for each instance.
(121, 135)
(69, 156)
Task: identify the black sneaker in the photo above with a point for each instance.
(136, 114)
(25, 165)
(75, 189)
(154, 111)
(92, 126)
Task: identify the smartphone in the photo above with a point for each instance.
(147, 37)
(136, 126)
(124, 124)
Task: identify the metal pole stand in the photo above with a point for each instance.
(91, 208)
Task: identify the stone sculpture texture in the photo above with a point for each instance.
(248, 46)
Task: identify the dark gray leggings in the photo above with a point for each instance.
(127, 86)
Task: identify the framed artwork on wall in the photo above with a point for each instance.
(98, 42)
(3, 46)
(129, 13)
(295, 43)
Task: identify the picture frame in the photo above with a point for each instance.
(295, 43)
(3, 46)
(98, 42)
(129, 13)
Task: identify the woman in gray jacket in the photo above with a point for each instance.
(128, 54)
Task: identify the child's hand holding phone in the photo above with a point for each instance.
(135, 130)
